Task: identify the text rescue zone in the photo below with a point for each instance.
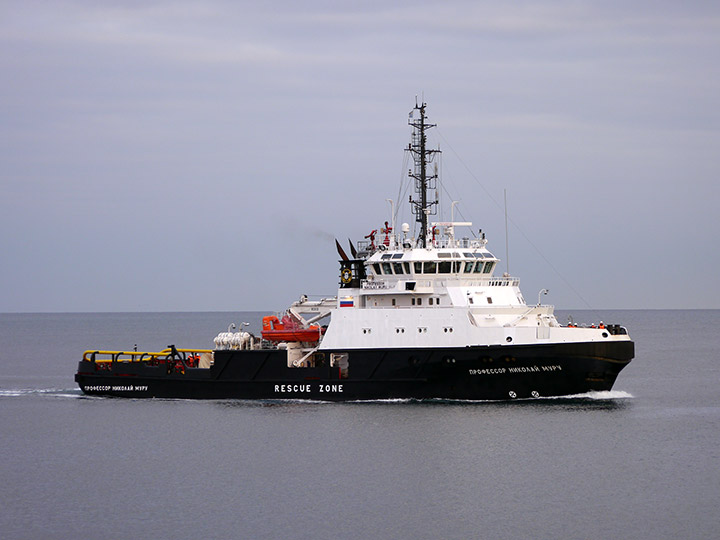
(307, 388)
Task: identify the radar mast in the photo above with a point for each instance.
(422, 157)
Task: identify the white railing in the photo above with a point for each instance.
(441, 281)
(397, 242)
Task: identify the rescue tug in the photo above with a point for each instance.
(415, 318)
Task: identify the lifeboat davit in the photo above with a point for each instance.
(288, 330)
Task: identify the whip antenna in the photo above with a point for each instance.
(507, 243)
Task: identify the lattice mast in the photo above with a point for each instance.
(422, 157)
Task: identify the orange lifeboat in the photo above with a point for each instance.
(288, 330)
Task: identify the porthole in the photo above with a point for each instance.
(508, 339)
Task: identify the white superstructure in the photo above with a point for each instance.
(444, 296)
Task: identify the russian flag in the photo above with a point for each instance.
(346, 302)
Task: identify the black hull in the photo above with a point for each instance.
(470, 373)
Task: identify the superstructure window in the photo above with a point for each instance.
(376, 268)
(444, 267)
(398, 256)
(469, 267)
(406, 266)
(418, 267)
(398, 268)
(386, 268)
(479, 267)
(488, 268)
(429, 267)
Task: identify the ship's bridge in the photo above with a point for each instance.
(431, 262)
(445, 255)
(397, 272)
(431, 277)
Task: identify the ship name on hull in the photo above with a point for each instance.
(522, 369)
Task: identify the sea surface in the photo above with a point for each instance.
(640, 462)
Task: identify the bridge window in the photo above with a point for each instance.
(376, 268)
(488, 268)
(444, 267)
(479, 267)
(386, 269)
(429, 267)
(398, 268)
(418, 267)
(469, 267)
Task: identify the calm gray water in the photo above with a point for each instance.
(640, 462)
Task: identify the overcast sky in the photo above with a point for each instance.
(202, 155)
